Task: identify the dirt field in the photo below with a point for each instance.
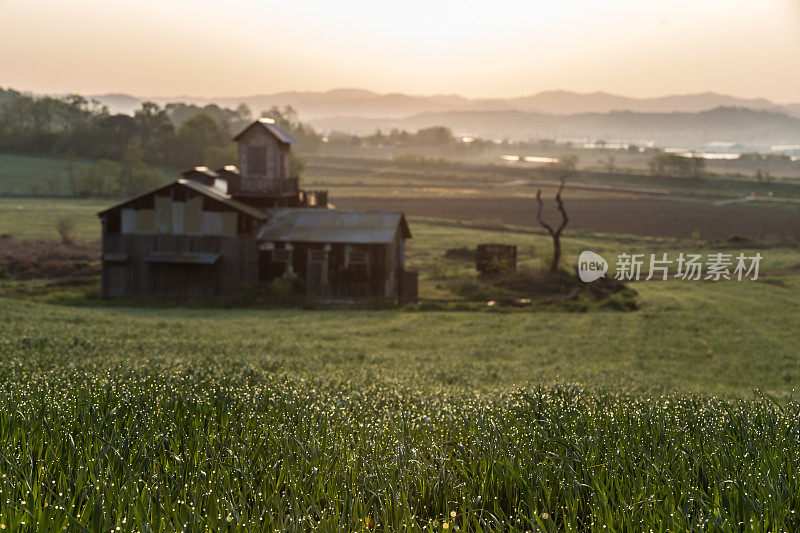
(21, 259)
(662, 218)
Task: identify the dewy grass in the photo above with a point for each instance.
(165, 445)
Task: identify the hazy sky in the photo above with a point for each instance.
(478, 49)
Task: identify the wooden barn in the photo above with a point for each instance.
(219, 234)
(185, 240)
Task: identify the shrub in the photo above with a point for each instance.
(622, 301)
(65, 226)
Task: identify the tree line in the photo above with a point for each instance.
(132, 153)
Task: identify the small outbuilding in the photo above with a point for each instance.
(339, 253)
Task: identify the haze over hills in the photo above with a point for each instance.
(368, 104)
(688, 121)
(756, 129)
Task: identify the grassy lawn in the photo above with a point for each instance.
(24, 174)
(35, 218)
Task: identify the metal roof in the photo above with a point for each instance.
(269, 125)
(183, 258)
(309, 224)
(205, 190)
(216, 194)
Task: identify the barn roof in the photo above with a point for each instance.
(309, 224)
(268, 125)
(205, 190)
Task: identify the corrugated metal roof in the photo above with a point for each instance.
(184, 258)
(211, 192)
(301, 224)
(269, 125)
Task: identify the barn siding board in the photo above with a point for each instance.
(145, 221)
(163, 214)
(128, 220)
(177, 217)
(193, 216)
(212, 222)
(229, 223)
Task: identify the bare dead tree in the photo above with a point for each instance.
(555, 234)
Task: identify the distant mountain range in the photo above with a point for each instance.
(368, 104)
(754, 129)
(685, 120)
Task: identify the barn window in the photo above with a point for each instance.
(257, 159)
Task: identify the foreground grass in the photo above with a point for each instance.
(166, 444)
(190, 419)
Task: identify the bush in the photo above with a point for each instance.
(65, 226)
(622, 301)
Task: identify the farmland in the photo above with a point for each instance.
(680, 415)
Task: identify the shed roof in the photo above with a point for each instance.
(268, 125)
(205, 190)
(309, 224)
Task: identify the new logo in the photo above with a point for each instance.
(591, 266)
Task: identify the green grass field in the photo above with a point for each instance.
(36, 218)
(23, 174)
(681, 415)
(175, 418)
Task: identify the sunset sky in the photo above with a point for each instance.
(502, 48)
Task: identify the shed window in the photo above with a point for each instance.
(318, 256)
(281, 255)
(357, 257)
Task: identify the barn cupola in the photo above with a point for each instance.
(264, 162)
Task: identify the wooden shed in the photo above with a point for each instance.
(338, 253)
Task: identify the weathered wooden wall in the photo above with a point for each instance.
(126, 272)
(379, 278)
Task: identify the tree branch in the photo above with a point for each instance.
(560, 203)
(544, 224)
